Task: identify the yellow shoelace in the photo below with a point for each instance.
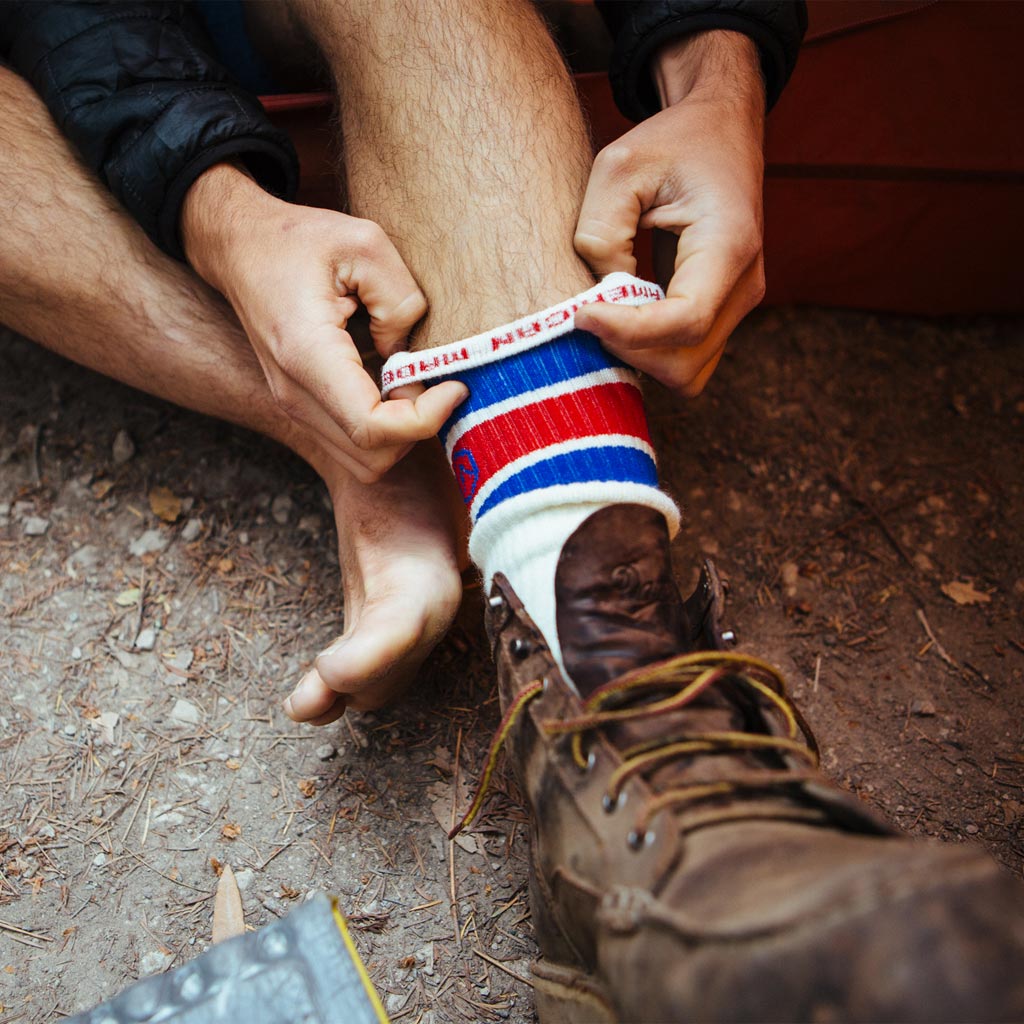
(689, 675)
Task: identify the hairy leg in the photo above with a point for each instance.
(78, 276)
(462, 136)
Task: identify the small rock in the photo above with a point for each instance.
(923, 707)
(153, 963)
(183, 659)
(243, 879)
(185, 712)
(281, 509)
(149, 542)
(99, 860)
(310, 524)
(123, 448)
(971, 830)
(326, 751)
(146, 640)
(70, 729)
(191, 530)
(36, 526)
(76, 653)
(789, 573)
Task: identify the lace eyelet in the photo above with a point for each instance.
(520, 648)
(496, 601)
(637, 840)
(610, 806)
(591, 761)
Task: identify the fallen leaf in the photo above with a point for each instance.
(224, 566)
(228, 919)
(101, 489)
(165, 504)
(217, 866)
(231, 831)
(440, 795)
(964, 593)
(128, 597)
(307, 787)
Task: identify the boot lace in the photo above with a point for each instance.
(657, 690)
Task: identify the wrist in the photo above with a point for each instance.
(217, 205)
(714, 64)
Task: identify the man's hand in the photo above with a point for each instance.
(294, 275)
(695, 169)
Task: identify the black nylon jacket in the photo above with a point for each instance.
(133, 86)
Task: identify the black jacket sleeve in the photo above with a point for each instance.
(149, 111)
(640, 28)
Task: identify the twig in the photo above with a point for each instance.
(922, 618)
(8, 927)
(501, 967)
(451, 842)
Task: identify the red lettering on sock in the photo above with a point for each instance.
(497, 340)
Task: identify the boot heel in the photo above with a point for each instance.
(566, 996)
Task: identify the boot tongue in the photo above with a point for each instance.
(618, 609)
(617, 606)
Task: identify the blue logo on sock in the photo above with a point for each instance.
(466, 473)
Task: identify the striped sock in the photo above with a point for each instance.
(553, 430)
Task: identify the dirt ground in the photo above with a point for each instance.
(857, 478)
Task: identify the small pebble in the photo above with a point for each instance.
(99, 860)
(243, 879)
(146, 640)
(123, 448)
(185, 713)
(971, 830)
(191, 530)
(36, 526)
(281, 509)
(76, 653)
(152, 963)
(70, 729)
(326, 751)
(148, 543)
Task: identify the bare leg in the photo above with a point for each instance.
(463, 138)
(78, 276)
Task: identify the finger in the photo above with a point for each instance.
(687, 369)
(378, 275)
(367, 465)
(609, 215)
(340, 707)
(330, 370)
(409, 420)
(311, 699)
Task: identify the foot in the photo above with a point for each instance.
(397, 545)
(688, 862)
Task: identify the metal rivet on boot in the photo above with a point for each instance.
(520, 648)
(496, 601)
(637, 839)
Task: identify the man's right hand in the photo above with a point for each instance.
(294, 275)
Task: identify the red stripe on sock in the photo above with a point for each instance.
(614, 408)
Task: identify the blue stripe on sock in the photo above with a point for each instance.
(610, 463)
(569, 356)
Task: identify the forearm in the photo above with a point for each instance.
(215, 209)
(717, 64)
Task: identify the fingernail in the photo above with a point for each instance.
(288, 709)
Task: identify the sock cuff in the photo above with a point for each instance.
(489, 529)
(518, 336)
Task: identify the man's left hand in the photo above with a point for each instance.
(695, 169)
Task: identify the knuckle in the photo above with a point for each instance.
(367, 238)
(616, 159)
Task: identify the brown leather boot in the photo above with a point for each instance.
(688, 862)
